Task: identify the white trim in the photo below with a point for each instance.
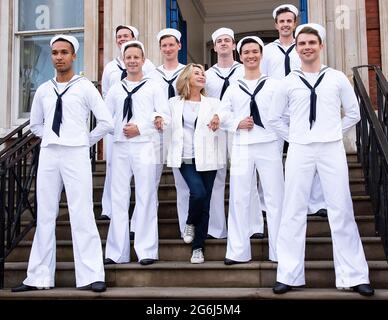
(90, 31)
(6, 68)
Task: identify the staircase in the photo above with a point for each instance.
(173, 276)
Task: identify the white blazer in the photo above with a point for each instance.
(209, 146)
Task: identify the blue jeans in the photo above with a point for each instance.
(200, 184)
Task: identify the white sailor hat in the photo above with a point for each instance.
(71, 39)
(127, 44)
(131, 28)
(169, 32)
(221, 32)
(254, 38)
(292, 8)
(321, 30)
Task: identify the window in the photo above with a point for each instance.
(36, 22)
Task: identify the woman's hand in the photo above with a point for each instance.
(214, 123)
(158, 123)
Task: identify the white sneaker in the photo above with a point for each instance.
(197, 256)
(188, 234)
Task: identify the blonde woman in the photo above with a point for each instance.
(195, 148)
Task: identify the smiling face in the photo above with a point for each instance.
(169, 47)
(134, 60)
(197, 78)
(62, 55)
(308, 47)
(250, 55)
(122, 36)
(285, 24)
(224, 46)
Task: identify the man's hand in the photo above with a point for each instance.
(214, 123)
(247, 123)
(130, 130)
(158, 123)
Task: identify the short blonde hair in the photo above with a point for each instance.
(183, 82)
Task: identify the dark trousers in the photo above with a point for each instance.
(200, 184)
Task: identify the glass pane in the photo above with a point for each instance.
(50, 14)
(36, 67)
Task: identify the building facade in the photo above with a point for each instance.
(357, 34)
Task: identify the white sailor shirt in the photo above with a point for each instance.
(146, 105)
(293, 96)
(236, 107)
(81, 98)
(272, 62)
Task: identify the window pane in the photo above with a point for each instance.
(50, 14)
(36, 67)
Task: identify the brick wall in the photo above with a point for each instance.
(373, 39)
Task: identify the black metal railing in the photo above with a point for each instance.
(372, 147)
(18, 165)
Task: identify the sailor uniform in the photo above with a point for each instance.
(217, 80)
(64, 161)
(274, 64)
(258, 148)
(316, 145)
(114, 72)
(134, 157)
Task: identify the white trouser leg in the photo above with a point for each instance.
(117, 243)
(350, 264)
(299, 174)
(217, 221)
(317, 200)
(77, 177)
(182, 198)
(256, 221)
(106, 200)
(270, 167)
(238, 244)
(144, 170)
(41, 265)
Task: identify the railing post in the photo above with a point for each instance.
(2, 222)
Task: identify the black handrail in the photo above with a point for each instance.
(372, 147)
(19, 154)
(18, 167)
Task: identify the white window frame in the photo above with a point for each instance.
(90, 30)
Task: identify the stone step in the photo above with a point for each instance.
(167, 208)
(211, 274)
(177, 250)
(355, 172)
(169, 228)
(351, 158)
(168, 191)
(176, 293)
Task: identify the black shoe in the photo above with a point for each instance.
(23, 287)
(98, 286)
(210, 237)
(320, 213)
(109, 261)
(103, 217)
(280, 288)
(145, 262)
(364, 289)
(257, 235)
(229, 262)
(132, 235)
